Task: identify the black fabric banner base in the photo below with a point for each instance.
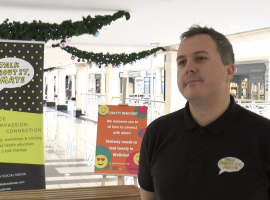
(21, 177)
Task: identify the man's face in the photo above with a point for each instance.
(201, 73)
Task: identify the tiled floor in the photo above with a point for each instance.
(67, 153)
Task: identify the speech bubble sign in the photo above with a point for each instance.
(15, 72)
(230, 164)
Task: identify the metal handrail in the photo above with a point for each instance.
(250, 100)
(140, 99)
(257, 104)
(94, 94)
(141, 94)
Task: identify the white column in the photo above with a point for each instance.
(151, 80)
(174, 100)
(112, 76)
(267, 82)
(126, 74)
(73, 84)
(81, 85)
(61, 95)
(102, 81)
(87, 78)
(56, 80)
(158, 81)
(45, 80)
(50, 88)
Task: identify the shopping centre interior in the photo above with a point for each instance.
(73, 89)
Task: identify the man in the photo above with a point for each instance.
(212, 149)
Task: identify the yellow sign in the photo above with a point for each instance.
(21, 138)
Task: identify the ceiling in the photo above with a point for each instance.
(152, 21)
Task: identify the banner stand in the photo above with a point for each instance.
(121, 178)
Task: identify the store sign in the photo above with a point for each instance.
(133, 74)
(139, 85)
(143, 73)
(121, 74)
(148, 73)
(250, 68)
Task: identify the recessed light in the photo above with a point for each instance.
(67, 174)
(235, 26)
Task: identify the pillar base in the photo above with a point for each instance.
(50, 103)
(61, 107)
(78, 113)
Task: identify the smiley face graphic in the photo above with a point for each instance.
(136, 158)
(101, 161)
(132, 162)
(103, 157)
(103, 110)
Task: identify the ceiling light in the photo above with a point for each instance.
(235, 26)
(154, 43)
(67, 174)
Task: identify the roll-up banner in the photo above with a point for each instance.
(21, 116)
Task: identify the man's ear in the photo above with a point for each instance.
(230, 71)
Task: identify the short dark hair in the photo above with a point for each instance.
(224, 47)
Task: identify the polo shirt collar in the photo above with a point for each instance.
(216, 126)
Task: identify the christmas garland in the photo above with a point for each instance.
(40, 31)
(114, 59)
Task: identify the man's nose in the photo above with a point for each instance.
(190, 67)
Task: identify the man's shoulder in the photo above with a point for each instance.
(170, 120)
(248, 116)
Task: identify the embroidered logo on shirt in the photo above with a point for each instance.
(230, 164)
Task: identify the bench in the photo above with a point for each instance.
(123, 192)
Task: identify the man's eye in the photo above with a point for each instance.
(201, 58)
(182, 63)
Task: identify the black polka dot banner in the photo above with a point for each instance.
(26, 98)
(21, 116)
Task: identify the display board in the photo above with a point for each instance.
(139, 85)
(21, 116)
(119, 134)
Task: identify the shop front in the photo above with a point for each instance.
(248, 81)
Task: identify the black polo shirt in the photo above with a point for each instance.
(181, 160)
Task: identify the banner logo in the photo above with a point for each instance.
(230, 164)
(15, 72)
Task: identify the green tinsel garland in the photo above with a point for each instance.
(117, 59)
(40, 31)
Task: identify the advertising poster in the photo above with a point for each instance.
(119, 135)
(21, 116)
(139, 85)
